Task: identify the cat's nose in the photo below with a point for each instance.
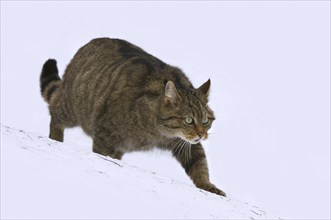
(200, 134)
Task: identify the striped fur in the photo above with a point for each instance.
(128, 100)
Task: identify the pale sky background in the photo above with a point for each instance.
(268, 61)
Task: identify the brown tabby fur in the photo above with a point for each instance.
(128, 100)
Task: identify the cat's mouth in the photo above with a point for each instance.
(189, 139)
(194, 141)
(197, 140)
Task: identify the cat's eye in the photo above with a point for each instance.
(205, 120)
(188, 120)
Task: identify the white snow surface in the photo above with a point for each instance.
(72, 182)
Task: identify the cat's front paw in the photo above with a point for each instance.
(217, 191)
(213, 189)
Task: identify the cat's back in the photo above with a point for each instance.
(106, 57)
(105, 65)
(110, 49)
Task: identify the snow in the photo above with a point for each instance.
(269, 65)
(42, 178)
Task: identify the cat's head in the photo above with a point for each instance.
(185, 114)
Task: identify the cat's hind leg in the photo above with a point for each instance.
(61, 118)
(56, 131)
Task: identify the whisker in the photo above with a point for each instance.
(175, 140)
(176, 147)
(188, 152)
(186, 155)
(182, 151)
(176, 143)
(171, 140)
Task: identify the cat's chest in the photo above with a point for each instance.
(141, 143)
(138, 146)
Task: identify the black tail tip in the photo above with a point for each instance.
(48, 74)
(50, 61)
(49, 68)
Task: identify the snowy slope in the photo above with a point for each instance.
(269, 64)
(42, 178)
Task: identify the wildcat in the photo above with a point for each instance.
(128, 100)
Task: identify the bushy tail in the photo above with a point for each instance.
(49, 80)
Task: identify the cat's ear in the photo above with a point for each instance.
(204, 88)
(170, 93)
